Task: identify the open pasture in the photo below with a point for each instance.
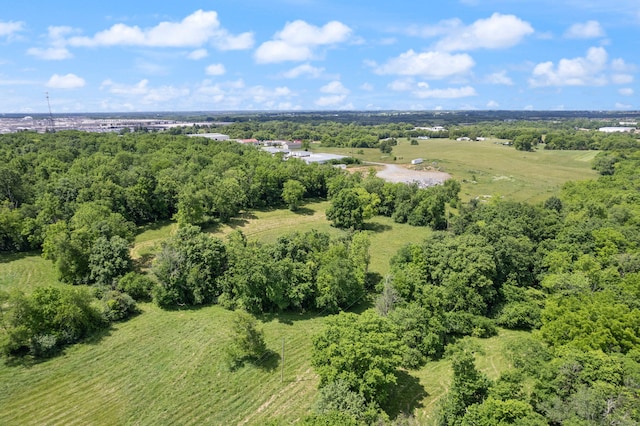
(487, 168)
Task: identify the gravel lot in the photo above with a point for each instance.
(394, 173)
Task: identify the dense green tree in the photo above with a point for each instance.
(292, 194)
(360, 350)
(469, 386)
(247, 340)
(109, 260)
(188, 268)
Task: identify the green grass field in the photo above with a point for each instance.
(498, 170)
(165, 367)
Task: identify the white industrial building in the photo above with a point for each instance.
(617, 129)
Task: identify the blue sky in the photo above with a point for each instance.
(319, 55)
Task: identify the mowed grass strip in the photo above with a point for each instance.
(26, 271)
(498, 170)
(165, 368)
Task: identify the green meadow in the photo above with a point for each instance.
(489, 168)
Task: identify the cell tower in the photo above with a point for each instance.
(52, 123)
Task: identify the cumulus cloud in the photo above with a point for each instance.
(620, 105)
(142, 93)
(622, 78)
(57, 49)
(499, 78)
(331, 101)
(449, 93)
(496, 32)
(304, 70)
(215, 69)
(626, 91)
(493, 105)
(402, 85)
(50, 53)
(586, 30)
(236, 95)
(197, 29)
(68, 81)
(427, 64)
(367, 87)
(298, 40)
(335, 88)
(198, 54)
(582, 71)
(8, 29)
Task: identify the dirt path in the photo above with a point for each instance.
(395, 173)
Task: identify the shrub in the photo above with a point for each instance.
(118, 306)
(137, 286)
(49, 318)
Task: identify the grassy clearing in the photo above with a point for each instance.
(25, 271)
(435, 377)
(498, 170)
(165, 368)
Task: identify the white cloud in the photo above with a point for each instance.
(449, 93)
(8, 29)
(620, 105)
(626, 91)
(500, 78)
(236, 95)
(304, 69)
(297, 41)
(367, 87)
(444, 27)
(57, 49)
(68, 81)
(427, 64)
(589, 29)
(335, 88)
(582, 71)
(493, 104)
(215, 69)
(496, 32)
(50, 53)
(332, 100)
(143, 94)
(402, 85)
(198, 54)
(622, 78)
(139, 88)
(195, 30)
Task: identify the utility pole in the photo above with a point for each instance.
(282, 365)
(51, 122)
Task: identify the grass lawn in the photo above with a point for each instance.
(498, 170)
(165, 368)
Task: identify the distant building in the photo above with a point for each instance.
(617, 129)
(463, 138)
(292, 145)
(417, 161)
(212, 136)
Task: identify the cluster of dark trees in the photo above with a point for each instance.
(72, 179)
(568, 269)
(300, 271)
(355, 198)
